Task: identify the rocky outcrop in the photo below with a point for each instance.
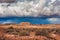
(25, 23)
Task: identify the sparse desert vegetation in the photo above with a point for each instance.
(37, 33)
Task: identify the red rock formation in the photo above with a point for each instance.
(25, 23)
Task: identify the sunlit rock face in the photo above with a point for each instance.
(7, 1)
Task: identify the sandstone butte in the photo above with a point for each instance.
(29, 25)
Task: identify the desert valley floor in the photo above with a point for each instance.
(28, 31)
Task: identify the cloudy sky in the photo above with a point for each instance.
(30, 8)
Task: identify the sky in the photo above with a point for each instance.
(34, 11)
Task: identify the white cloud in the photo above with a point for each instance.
(6, 22)
(54, 20)
(28, 8)
(53, 1)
